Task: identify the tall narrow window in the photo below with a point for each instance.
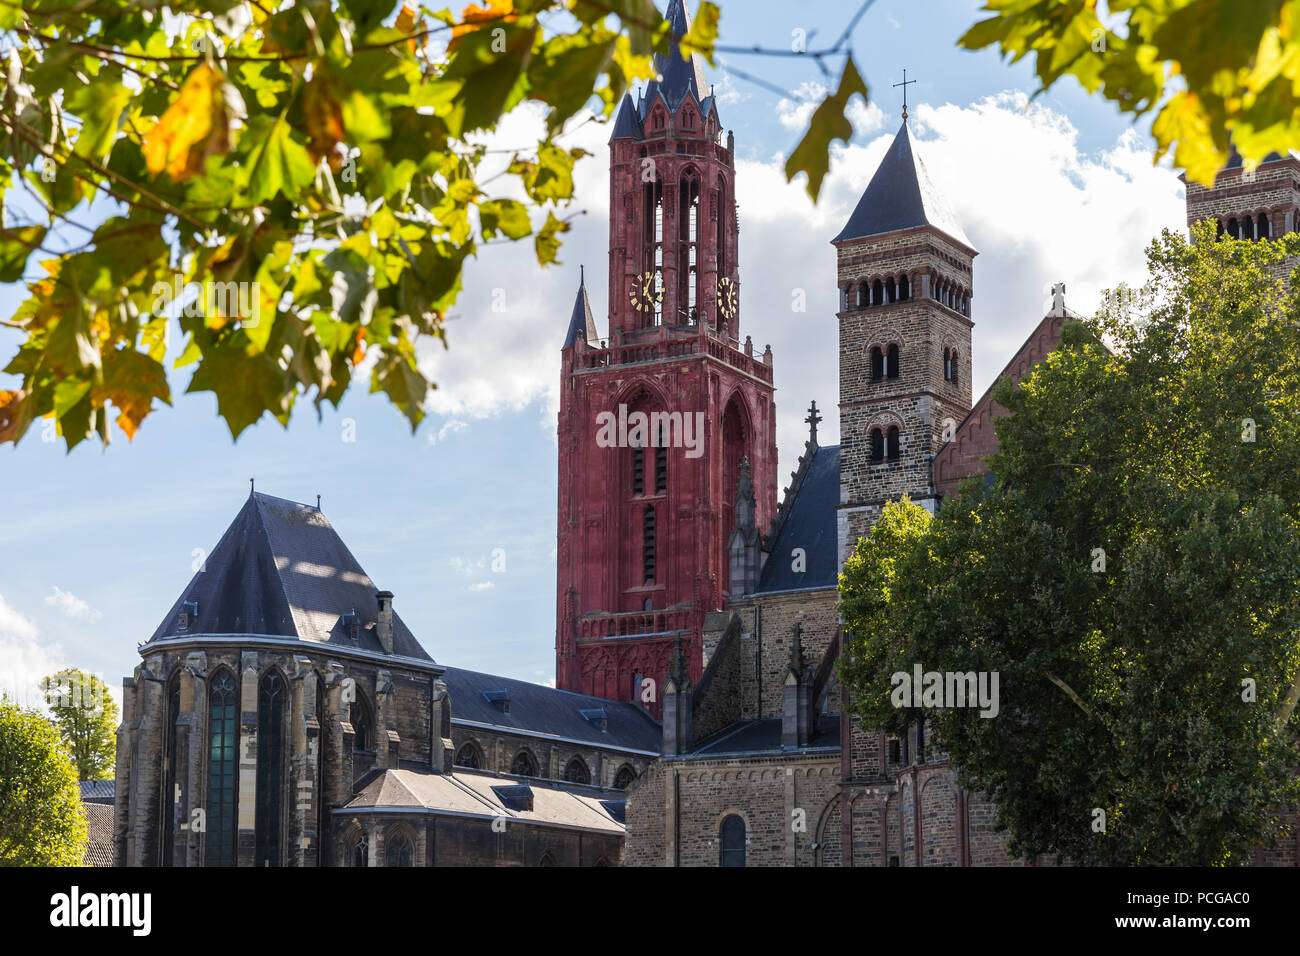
(864, 296)
(168, 803)
(363, 740)
(1262, 230)
(877, 446)
(732, 842)
(891, 291)
(877, 364)
(223, 701)
(891, 362)
(877, 293)
(688, 234)
(904, 289)
(649, 544)
(638, 471)
(270, 768)
(361, 851)
(722, 229)
(891, 443)
(661, 462)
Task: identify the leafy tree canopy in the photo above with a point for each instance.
(86, 716)
(41, 823)
(1206, 69)
(1132, 574)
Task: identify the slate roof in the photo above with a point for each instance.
(764, 736)
(810, 525)
(678, 78)
(582, 322)
(472, 794)
(99, 824)
(547, 712)
(282, 570)
(627, 124)
(901, 196)
(97, 791)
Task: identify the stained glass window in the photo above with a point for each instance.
(223, 739)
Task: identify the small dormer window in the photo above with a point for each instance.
(349, 623)
(500, 699)
(188, 613)
(596, 717)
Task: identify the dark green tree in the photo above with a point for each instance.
(1132, 574)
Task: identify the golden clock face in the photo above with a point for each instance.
(644, 294)
(728, 301)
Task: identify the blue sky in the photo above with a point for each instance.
(98, 544)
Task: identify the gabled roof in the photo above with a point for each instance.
(808, 523)
(582, 322)
(282, 570)
(475, 794)
(901, 196)
(678, 78)
(627, 125)
(547, 712)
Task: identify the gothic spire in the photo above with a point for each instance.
(582, 321)
(678, 77)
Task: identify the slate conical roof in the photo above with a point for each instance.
(582, 322)
(678, 77)
(901, 196)
(281, 570)
(627, 125)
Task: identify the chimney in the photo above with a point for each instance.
(384, 624)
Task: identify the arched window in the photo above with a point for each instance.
(891, 362)
(223, 741)
(363, 725)
(688, 272)
(468, 756)
(1232, 228)
(1262, 227)
(1219, 230)
(877, 364)
(167, 805)
(623, 779)
(732, 842)
(361, 851)
(649, 544)
(877, 446)
(398, 849)
(891, 443)
(576, 771)
(547, 859)
(891, 291)
(904, 289)
(864, 296)
(524, 765)
(877, 293)
(271, 693)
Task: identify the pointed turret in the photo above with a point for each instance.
(627, 125)
(582, 322)
(901, 196)
(678, 77)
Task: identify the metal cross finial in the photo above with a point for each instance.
(812, 420)
(906, 82)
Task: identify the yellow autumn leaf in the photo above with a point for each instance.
(194, 127)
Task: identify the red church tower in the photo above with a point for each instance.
(645, 512)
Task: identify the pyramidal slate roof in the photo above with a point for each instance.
(627, 125)
(901, 196)
(810, 525)
(678, 77)
(281, 570)
(582, 322)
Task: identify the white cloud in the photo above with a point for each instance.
(1038, 209)
(72, 606)
(24, 660)
(795, 113)
(482, 586)
(450, 428)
